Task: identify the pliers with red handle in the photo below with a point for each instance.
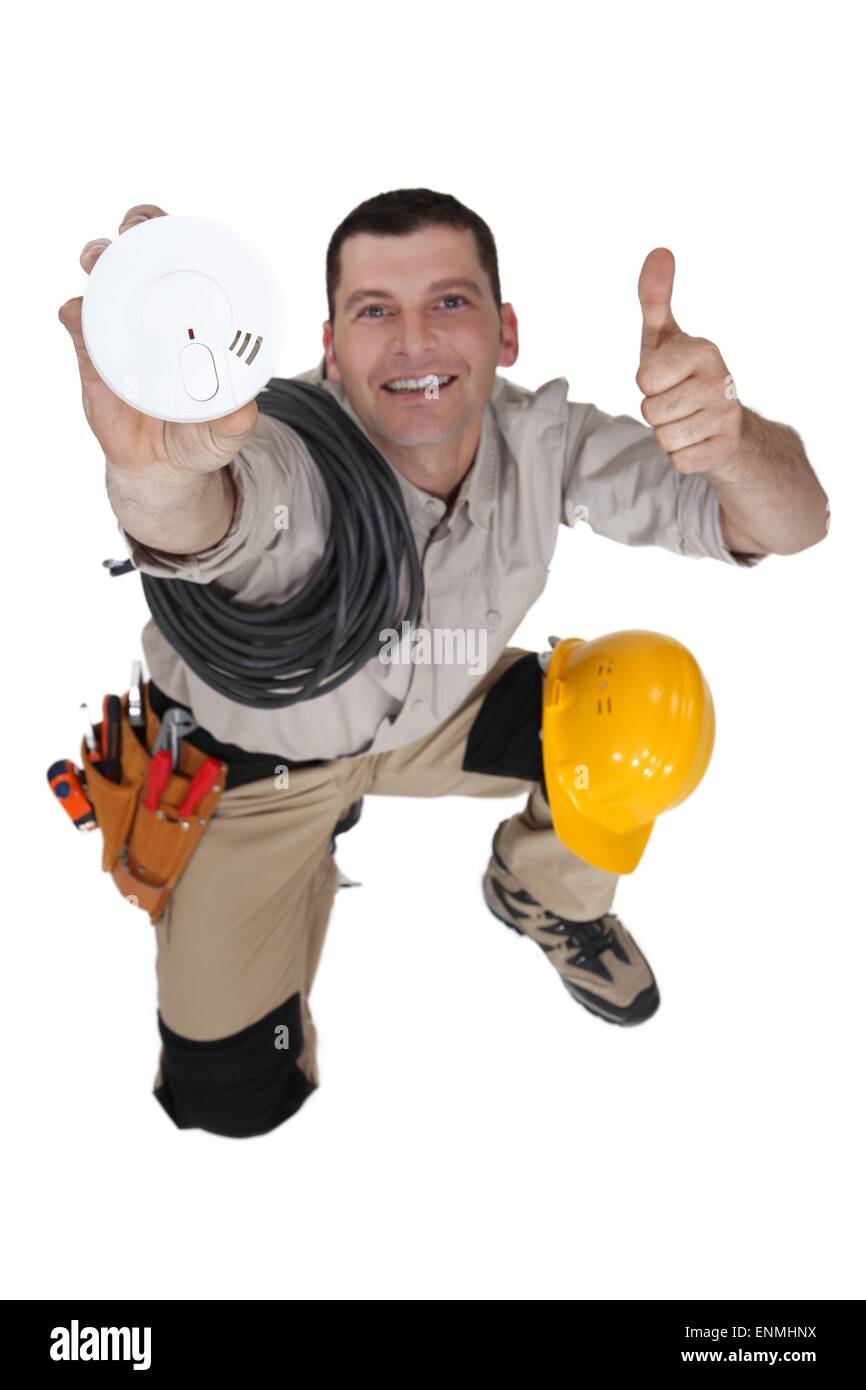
(158, 774)
(203, 782)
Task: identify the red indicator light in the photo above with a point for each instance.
(190, 332)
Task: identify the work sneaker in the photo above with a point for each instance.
(599, 962)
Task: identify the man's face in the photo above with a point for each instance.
(408, 307)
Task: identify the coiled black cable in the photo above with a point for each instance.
(268, 658)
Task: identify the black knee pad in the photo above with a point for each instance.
(505, 738)
(237, 1086)
(347, 821)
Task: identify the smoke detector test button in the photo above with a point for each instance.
(199, 371)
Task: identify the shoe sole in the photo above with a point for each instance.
(642, 1008)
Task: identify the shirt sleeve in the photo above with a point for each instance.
(263, 472)
(619, 481)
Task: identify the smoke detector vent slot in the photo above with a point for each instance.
(239, 351)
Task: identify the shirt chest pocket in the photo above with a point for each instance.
(496, 603)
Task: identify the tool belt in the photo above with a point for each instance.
(146, 849)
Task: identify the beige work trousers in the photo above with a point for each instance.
(245, 926)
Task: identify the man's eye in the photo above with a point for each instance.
(459, 298)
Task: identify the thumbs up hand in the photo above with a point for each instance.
(689, 395)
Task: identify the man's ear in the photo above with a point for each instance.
(331, 368)
(509, 345)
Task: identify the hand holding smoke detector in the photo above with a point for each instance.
(182, 319)
(147, 290)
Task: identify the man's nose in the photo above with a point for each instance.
(413, 334)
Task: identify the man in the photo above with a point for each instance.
(488, 470)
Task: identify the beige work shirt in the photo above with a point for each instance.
(542, 461)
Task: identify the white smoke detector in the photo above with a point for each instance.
(183, 319)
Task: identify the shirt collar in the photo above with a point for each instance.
(477, 489)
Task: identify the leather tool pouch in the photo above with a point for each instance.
(147, 851)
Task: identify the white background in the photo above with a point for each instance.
(476, 1134)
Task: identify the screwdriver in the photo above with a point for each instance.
(89, 736)
(136, 713)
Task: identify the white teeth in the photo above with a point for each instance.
(411, 383)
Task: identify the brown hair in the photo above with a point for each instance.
(406, 210)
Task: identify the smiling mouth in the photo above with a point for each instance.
(418, 385)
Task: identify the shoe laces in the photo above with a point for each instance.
(588, 938)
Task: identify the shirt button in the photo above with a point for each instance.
(417, 703)
(493, 617)
(431, 504)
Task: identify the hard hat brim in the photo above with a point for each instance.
(603, 848)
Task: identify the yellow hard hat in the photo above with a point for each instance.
(627, 730)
